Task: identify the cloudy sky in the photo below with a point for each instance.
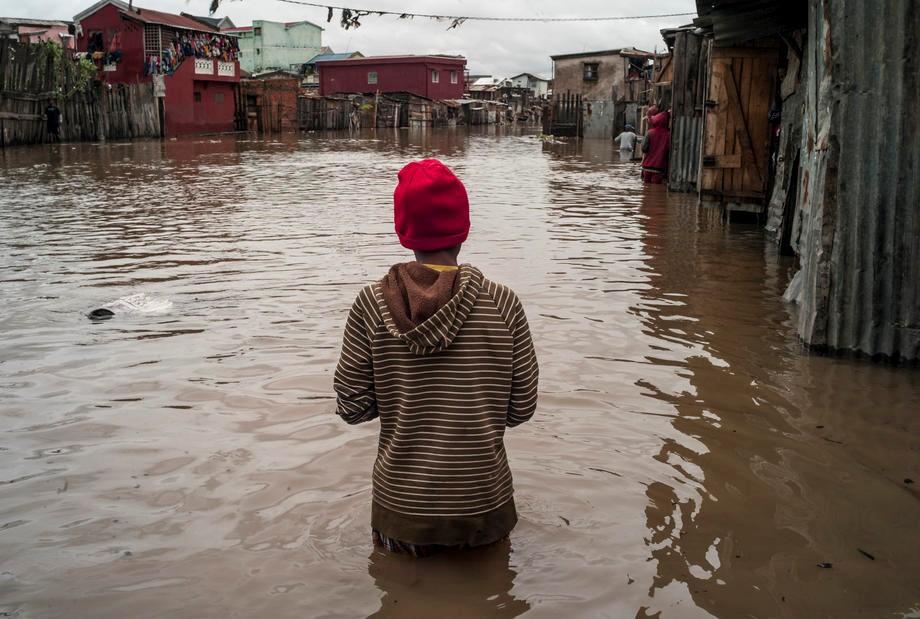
(499, 49)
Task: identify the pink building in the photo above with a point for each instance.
(434, 77)
(27, 30)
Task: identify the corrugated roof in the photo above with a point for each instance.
(325, 57)
(371, 60)
(737, 21)
(149, 16)
(25, 21)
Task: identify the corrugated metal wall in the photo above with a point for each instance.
(858, 225)
(688, 94)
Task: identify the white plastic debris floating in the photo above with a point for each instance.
(134, 304)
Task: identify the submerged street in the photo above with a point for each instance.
(688, 457)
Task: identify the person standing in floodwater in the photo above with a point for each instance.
(627, 141)
(443, 356)
(53, 122)
(657, 146)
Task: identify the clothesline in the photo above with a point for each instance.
(350, 17)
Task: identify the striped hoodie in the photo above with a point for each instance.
(446, 361)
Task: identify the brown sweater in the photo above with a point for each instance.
(445, 360)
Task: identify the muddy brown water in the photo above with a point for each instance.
(688, 457)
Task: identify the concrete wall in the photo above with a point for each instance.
(273, 45)
(568, 74)
(857, 228)
(213, 110)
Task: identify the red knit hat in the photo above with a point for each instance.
(430, 207)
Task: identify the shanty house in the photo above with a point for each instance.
(193, 67)
(432, 77)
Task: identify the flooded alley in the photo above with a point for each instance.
(688, 458)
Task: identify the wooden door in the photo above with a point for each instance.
(736, 134)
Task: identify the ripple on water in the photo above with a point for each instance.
(687, 459)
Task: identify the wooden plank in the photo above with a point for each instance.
(744, 177)
(730, 147)
(723, 161)
(712, 126)
(762, 93)
(15, 116)
(742, 131)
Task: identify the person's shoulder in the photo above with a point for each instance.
(502, 294)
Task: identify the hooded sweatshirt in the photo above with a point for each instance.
(445, 360)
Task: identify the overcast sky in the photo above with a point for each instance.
(499, 49)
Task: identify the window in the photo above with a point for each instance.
(218, 97)
(371, 77)
(257, 32)
(435, 76)
(590, 71)
(453, 77)
(153, 44)
(197, 96)
(96, 43)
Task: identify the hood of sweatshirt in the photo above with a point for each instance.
(425, 308)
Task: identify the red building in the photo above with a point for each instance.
(434, 77)
(197, 66)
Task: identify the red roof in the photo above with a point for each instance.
(149, 16)
(372, 60)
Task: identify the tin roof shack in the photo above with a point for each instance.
(484, 88)
(269, 45)
(194, 68)
(611, 85)
(845, 193)
(743, 78)
(27, 30)
(686, 71)
(432, 77)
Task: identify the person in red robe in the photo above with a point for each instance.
(656, 146)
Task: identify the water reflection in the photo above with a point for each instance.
(471, 584)
(687, 459)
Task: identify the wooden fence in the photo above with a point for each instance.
(31, 77)
(563, 116)
(317, 113)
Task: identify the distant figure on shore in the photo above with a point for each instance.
(656, 146)
(132, 304)
(53, 121)
(627, 141)
(443, 356)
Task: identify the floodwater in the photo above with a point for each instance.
(688, 457)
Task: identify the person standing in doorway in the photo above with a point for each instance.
(627, 141)
(657, 146)
(53, 121)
